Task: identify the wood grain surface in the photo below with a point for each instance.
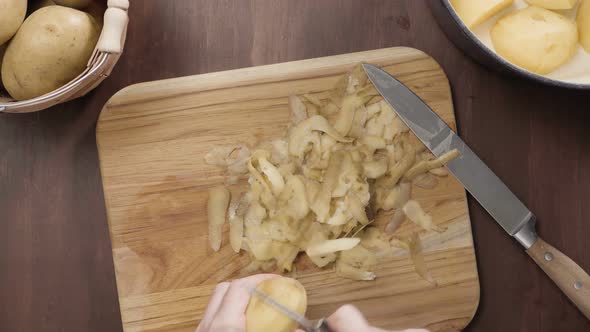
(568, 276)
(56, 267)
(152, 139)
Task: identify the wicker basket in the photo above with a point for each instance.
(101, 63)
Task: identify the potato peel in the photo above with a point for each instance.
(332, 246)
(216, 211)
(416, 214)
(346, 156)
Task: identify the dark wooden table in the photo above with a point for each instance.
(56, 271)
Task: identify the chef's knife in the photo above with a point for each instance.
(484, 185)
(304, 323)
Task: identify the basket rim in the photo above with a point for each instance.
(107, 51)
(68, 87)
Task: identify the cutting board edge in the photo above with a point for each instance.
(191, 78)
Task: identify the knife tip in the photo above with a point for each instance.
(372, 71)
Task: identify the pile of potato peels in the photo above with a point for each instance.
(345, 158)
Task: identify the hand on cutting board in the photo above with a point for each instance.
(227, 307)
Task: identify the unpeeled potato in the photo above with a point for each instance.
(12, 14)
(474, 12)
(262, 317)
(583, 21)
(535, 39)
(553, 4)
(51, 48)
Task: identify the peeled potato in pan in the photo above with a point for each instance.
(553, 4)
(535, 39)
(583, 20)
(262, 317)
(474, 12)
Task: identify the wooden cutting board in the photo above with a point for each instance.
(152, 138)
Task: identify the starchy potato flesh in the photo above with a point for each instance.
(346, 157)
(553, 4)
(583, 21)
(474, 12)
(535, 38)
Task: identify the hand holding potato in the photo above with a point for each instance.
(553, 4)
(227, 308)
(231, 306)
(474, 12)
(583, 20)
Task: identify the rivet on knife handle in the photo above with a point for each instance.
(568, 275)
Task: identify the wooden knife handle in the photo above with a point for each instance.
(568, 275)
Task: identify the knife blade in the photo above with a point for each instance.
(303, 322)
(479, 180)
(475, 176)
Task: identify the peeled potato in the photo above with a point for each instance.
(51, 48)
(12, 14)
(474, 12)
(78, 4)
(535, 39)
(216, 212)
(262, 317)
(583, 20)
(553, 4)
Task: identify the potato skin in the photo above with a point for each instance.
(78, 4)
(475, 12)
(262, 317)
(12, 15)
(535, 39)
(51, 48)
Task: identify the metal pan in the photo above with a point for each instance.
(469, 43)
